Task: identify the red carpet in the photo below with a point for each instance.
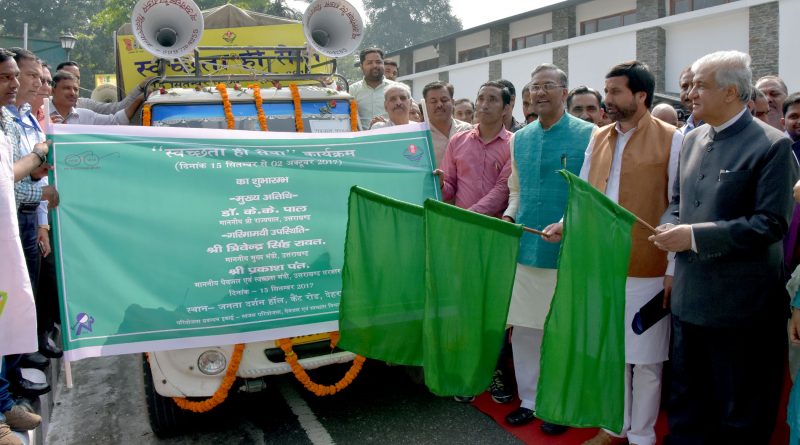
(531, 435)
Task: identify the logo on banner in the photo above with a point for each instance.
(229, 36)
(83, 322)
(87, 160)
(413, 153)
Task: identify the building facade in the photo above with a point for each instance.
(587, 37)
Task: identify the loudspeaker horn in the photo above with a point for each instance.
(105, 92)
(333, 28)
(167, 30)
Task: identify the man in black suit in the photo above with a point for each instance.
(730, 209)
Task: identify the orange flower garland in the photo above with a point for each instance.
(262, 119)
(298, 110)
(146, 115)
(302, 376)
(221, 393)
(226, 105)
(353, 115)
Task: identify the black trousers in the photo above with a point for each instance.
(726, 382)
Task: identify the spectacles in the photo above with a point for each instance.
(545, 87)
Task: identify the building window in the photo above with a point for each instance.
(472, 54)
(531, 40)
(680, 6)
(425, 65)
(608, 22)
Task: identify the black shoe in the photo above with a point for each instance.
(33, 360)
(551, 429)
(49, 349)
(498, 388)
(464, 399)
(520, 416)
(26, 388)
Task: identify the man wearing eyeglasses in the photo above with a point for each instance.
(537, 198)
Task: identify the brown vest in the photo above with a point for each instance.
(643, 184)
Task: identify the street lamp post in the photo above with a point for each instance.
(67, 42)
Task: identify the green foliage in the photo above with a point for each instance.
(94, 21)
(397, 24)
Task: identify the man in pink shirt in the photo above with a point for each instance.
(475, 170)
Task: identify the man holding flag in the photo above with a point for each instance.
(537, 197)
(634, 162)
(730, 209)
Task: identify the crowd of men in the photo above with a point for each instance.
(714, 176)
(25, 83)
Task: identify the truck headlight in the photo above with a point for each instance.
(211, 362)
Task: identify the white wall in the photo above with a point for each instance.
(789, 65)
(420, 82)
(425, 53)
(518, 69)
(469, 41)
(531, 25)
(589, 61)
(601, 8)
(466, 81)
(688, 41)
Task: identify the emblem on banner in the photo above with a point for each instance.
(413, 153)
(83, 322)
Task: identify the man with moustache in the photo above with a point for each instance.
(527, 104)
(397, 105)
(65, 98)
(438, 98)
(537, 197)
(585, 103)
(634, 162)
(368, 92)
(100, 107)
(775, 90)
(730, 208)
(685, 82)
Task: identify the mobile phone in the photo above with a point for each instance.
(41, 247)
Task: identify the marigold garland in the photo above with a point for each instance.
(226, 105)
(301, 375)
(353, 115)
(221, 393)
(298, 110)
(262, 119)
(146, 115)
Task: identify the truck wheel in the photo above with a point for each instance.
(166, 418)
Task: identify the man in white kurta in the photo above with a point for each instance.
(537, 198)
(641, 155)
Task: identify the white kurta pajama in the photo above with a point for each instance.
(644, 354)
(17, 309)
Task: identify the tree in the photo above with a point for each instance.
(397, 24)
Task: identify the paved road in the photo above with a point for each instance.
(106, 406)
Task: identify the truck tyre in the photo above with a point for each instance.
(166, 418)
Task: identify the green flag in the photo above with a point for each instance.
(470, 266)
(583, 351)
(427, 288)
(383, 279)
